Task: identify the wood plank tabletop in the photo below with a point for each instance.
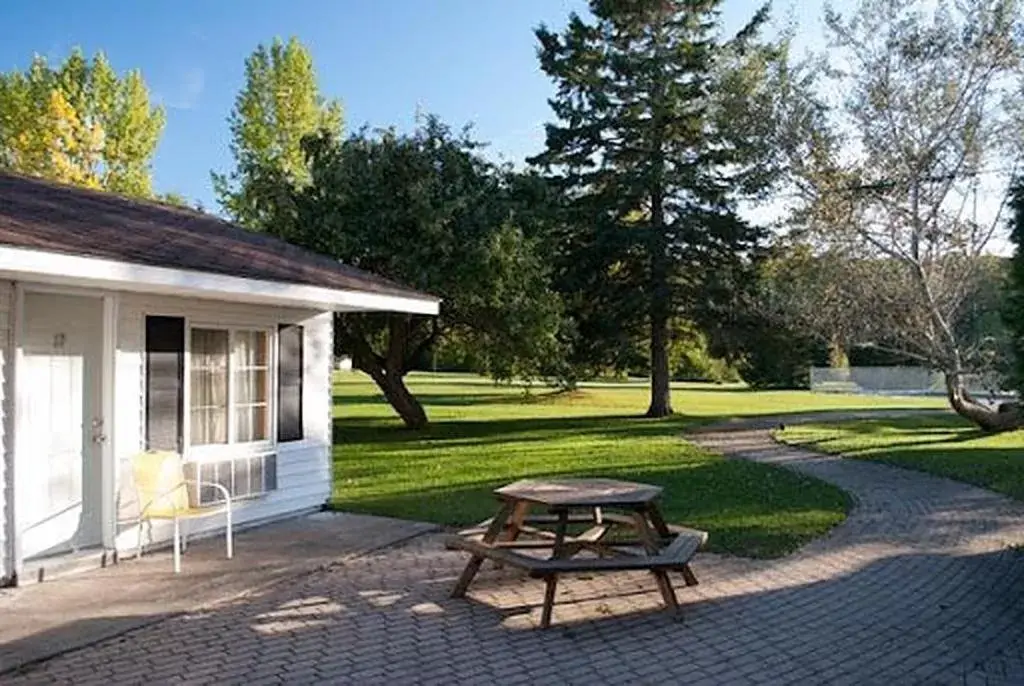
(580, 492)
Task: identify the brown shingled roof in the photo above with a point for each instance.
(43, 215)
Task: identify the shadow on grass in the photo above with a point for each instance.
(458, 400)
(996, 469)
(826, 443)
(949, 447)
(750, 509)
(383, 431)
(487, 431)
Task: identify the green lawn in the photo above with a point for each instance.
(943, 445)
(483, 436)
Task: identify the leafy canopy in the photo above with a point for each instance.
(429, 211)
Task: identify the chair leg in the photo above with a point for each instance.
(177, 547)
(549, 601)
(138, 544)
(184, 537)
(230, 535)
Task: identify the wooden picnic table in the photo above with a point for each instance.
(623, 529)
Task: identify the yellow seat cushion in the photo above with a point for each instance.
(160, 483)
(162, 488)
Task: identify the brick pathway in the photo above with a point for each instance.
(919, 585)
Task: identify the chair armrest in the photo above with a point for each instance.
(183, 484)
(224, 491)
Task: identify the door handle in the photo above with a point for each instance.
(97, 431)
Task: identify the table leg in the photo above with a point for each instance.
(515, 525)
(559, 549)
(549, 600)
(643, 530)
(688, 576)
(473, 566)
(667, 592)
(653, 542)
(660, 527)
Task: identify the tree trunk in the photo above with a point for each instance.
(984, 417)
(403, 402)
(661, 306)
(661, 398)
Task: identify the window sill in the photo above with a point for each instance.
(224, 451)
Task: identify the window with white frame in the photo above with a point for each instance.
(250, 375)
(218, 394)
(229, 396)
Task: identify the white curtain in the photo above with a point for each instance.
(209, 392)
(251, 374)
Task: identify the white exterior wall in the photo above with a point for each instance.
(6, 428)
(303, 467)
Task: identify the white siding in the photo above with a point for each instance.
(6, 426)
(303, 467)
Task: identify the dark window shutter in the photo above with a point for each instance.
(289, 383)
(165, 387)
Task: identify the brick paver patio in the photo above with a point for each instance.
(920, 585)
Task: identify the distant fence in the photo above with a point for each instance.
(898, 381)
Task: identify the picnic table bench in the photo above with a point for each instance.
(606, 507)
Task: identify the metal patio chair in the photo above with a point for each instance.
(163, 493)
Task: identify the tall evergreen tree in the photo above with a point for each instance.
(654, 141)
(80, 123)
(278, 105)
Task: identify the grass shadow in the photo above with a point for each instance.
(948, 447)
(712, 495)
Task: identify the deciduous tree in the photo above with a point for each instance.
(427, 210)
(929, 128)
(80, 123)
(279, 104)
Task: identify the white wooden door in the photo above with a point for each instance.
(59, 470)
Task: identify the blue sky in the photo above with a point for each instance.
(469, 61)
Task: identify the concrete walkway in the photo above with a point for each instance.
(42, 620)
(924, 581)
(921, 584)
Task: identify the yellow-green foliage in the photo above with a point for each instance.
(80, 123)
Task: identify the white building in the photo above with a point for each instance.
(128, 325)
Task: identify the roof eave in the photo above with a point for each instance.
(91, 272)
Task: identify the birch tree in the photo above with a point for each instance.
(906, 179)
